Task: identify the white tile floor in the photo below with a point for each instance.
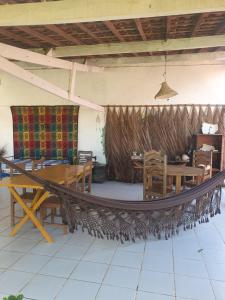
(80, 267)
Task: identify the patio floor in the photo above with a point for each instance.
(80, 267)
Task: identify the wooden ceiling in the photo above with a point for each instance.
(103, 32)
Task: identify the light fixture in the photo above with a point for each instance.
(165, 91)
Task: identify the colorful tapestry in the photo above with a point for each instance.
(45, 131)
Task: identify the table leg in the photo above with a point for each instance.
(199, 180)
(30, 213)
(178, 184)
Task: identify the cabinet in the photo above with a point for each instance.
(216, 140)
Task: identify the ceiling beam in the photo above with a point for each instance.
(173, 59)
(115, 32)
(16, 53)
(141, 46)
(140, 29)
(15, 70)
(89, 32)
(70, 11)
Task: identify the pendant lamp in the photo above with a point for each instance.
(165, 91)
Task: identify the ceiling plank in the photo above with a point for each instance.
(197, 23)
(140, 29)
(221, 28)
(113, 29)
(15, 70)
(16, 53)
(70, 11)
(64, 34)
(89, 32)
(17, 37)
(141, 46)
(39, 35)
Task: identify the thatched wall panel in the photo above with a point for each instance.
(166, 128)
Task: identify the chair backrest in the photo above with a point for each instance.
(38, 164)
(87, 177)
(71, 177)
(84, 156)
(155, 173)
(15, 172)
(203, 159)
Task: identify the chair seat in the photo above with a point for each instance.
(157, 188)
(28, 195)
(51, 202)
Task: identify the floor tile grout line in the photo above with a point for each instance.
(35, 274)
(174, 277)
(139, 277)
(106, 272)
(79, 260)
(210, 281)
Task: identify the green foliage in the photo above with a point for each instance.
(19, 297)
(2, 151)
(102, 137)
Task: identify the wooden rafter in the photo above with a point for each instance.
(89, 32)
(17, 37)
(140, 29)
(16, 53)
(79, 11)
(113, 29)
(141, 46)
(17, 71)
(64, 34)
(39, 35)
(167, 27)
(197, 23)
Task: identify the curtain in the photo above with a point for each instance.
(166, 128)
(45, 131)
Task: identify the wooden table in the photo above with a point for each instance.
(181, 171)
(53, 173)
(177, 171)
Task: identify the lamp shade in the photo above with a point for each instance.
(165, 92)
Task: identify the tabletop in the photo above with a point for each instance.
(178, 170)
(54, 173)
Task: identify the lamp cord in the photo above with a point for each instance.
(164, 74)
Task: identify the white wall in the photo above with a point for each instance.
(197, 82)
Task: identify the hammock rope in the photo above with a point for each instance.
(127, 220)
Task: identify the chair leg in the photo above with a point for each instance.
(65, 230)
(53, 214)
(12, 213)
(42, 215)
(83, 184)
(89, 183)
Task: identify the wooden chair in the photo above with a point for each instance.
(137, 166)
(155, 176)
(84, 157)
(87, 177)
(38, 164)
(53, 203)
(201, 159)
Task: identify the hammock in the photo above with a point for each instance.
(126, 220)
